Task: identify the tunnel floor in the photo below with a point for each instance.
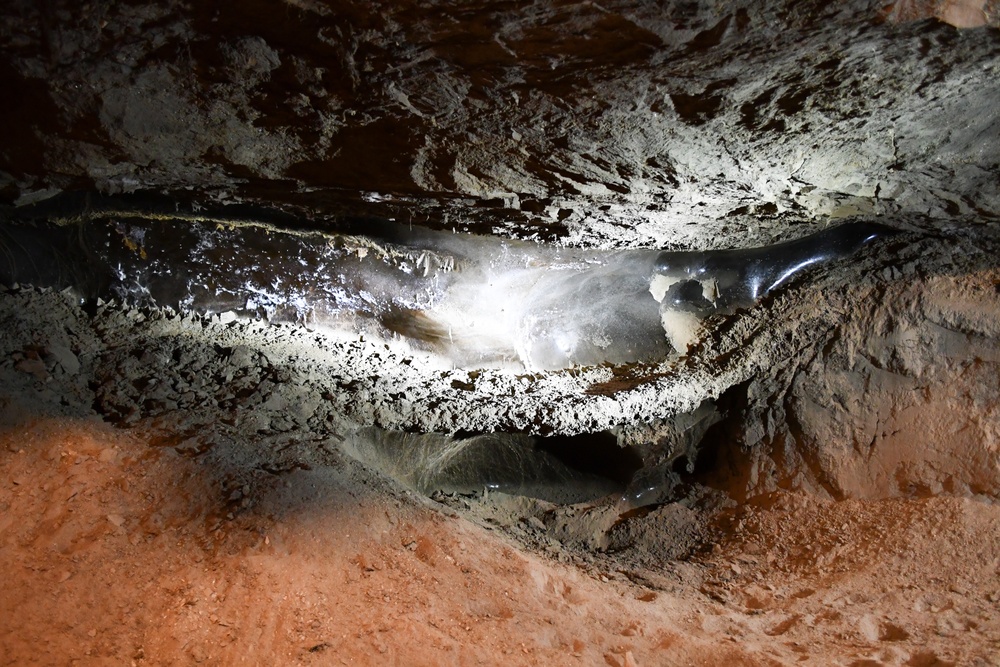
(225, 560)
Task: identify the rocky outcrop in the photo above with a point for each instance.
(895, 393)
(617, 124)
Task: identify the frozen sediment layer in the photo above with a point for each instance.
(468, 301)
(369, 381)
(561, 308)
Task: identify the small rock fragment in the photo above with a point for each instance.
(33, 367)
(63, 356)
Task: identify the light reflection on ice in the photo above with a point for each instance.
(471, 301)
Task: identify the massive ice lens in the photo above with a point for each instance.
(472, 301)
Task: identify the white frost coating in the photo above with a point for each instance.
(710, 290)
(659, 285)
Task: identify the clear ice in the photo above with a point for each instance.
(473, 301)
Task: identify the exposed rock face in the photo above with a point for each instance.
(893, 393)
(258, 499)
(878, 379)
(690, 124)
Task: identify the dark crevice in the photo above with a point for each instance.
(593, 453)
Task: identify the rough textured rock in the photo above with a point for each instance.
(675, 125)
(897, 399)
(872, 380)
(618, 124)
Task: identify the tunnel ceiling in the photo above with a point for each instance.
(671, 125)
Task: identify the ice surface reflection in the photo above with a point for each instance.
(472, 301)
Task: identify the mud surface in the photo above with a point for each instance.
(118, 549)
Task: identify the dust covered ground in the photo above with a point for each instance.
(119, 549)
(177, 490)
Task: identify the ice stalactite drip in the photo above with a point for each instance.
(471, 301)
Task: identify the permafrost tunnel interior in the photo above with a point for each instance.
(424, 333)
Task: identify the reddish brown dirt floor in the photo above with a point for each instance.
(116, 551)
